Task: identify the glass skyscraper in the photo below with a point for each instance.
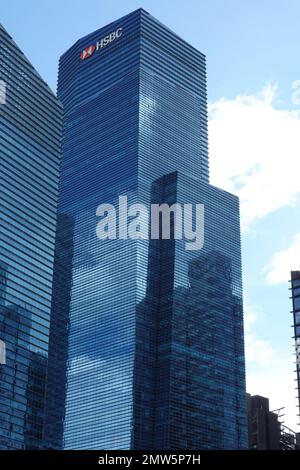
(30, 135)
(155, 355)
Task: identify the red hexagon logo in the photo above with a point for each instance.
(87, 52)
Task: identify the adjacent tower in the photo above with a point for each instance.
(295, 291)
(155, 350)
(30, 134)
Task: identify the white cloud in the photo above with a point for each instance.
(254, 151)
(257, 350)
(270, 373)
(277, 384)
(278, 269)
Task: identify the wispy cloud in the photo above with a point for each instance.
(254, 151)
(258, 350)
(278, 387)
(277, 271)
(269, 372)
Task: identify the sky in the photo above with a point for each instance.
(252, 49)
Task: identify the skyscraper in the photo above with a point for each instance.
(264, 430)
(30, 134)
(155, 352)
(295, 290)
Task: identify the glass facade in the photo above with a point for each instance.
(30, 134)
(189, 371)
(295, 290)
(155, 332)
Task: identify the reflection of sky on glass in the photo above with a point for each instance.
(108, 381)
(101, 339)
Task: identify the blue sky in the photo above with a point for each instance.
(252, 50)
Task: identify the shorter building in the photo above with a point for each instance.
(288, 439)
(263, 424)
(265, 431)
(298, 441)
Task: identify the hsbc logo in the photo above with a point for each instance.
(89, 51)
